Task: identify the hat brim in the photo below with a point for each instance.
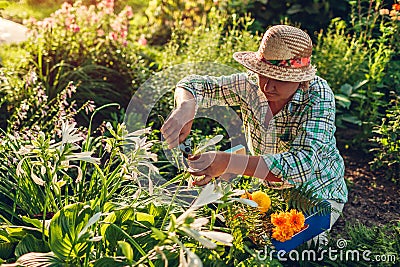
(250, 61)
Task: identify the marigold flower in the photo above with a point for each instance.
(262, 199)
(282, 233)
(296, 220)
(396, 7)
(279, 219)
(287, 224)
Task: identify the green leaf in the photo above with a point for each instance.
(157, 234)
(40, 259)
(126, 250)
(30, 244)
(343, 101)
(144, 217)
(346, 89)
(66, 238)
(359, 84)
(351, 119)
(7, 249)
(109, 262)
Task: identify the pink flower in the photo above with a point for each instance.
(128, 12)
(74, 27)
(100, 32)
(142, 41)
(113, 35)
(384, 11)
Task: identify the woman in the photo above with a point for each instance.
(288, 117)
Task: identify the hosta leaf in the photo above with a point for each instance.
(66, 238)
(144, 217)
(126, 250)
(34, 259)
(109, 262)
(30, 244)
(7, 249)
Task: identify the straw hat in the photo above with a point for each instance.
(284, 54)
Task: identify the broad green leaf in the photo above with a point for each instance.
(144, 217)
(343, 101)
(37, 223)
(126, 250)
(7, 249)
(359, 84)
(346, 89)
(351, 119)
(40, 260)
(65, 228)
(30, 244)
(109, 262)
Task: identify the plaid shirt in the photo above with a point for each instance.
(297, 143)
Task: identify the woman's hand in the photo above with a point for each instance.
(210, 164)
(214, 164)
(178, 125)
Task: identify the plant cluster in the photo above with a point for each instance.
(362, 60)
(91, 45)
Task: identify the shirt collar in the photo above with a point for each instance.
(300, 97)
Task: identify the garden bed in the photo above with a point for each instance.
(372, 197)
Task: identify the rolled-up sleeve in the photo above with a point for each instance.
(209, 91)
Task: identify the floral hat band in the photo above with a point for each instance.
(284, 54)
(293, 62)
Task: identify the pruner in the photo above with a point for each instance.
(186, 148)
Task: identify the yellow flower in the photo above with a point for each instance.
(262, 199)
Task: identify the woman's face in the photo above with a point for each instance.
(276, 90)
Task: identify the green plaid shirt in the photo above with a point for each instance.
(298, 144)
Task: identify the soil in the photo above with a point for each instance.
(374, 200)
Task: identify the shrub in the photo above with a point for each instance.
(387, 137)
(355, 61)
(91, 46)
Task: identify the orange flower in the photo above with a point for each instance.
(287, 224)
(263, 201)
(279, 219)
(282, 233)
(246, 195)
(296, 220)
(396, 7)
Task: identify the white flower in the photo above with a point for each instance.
(221, 237)
(83, 156)
(68, 132)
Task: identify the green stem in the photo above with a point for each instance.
(135, 244)
(185, 176)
